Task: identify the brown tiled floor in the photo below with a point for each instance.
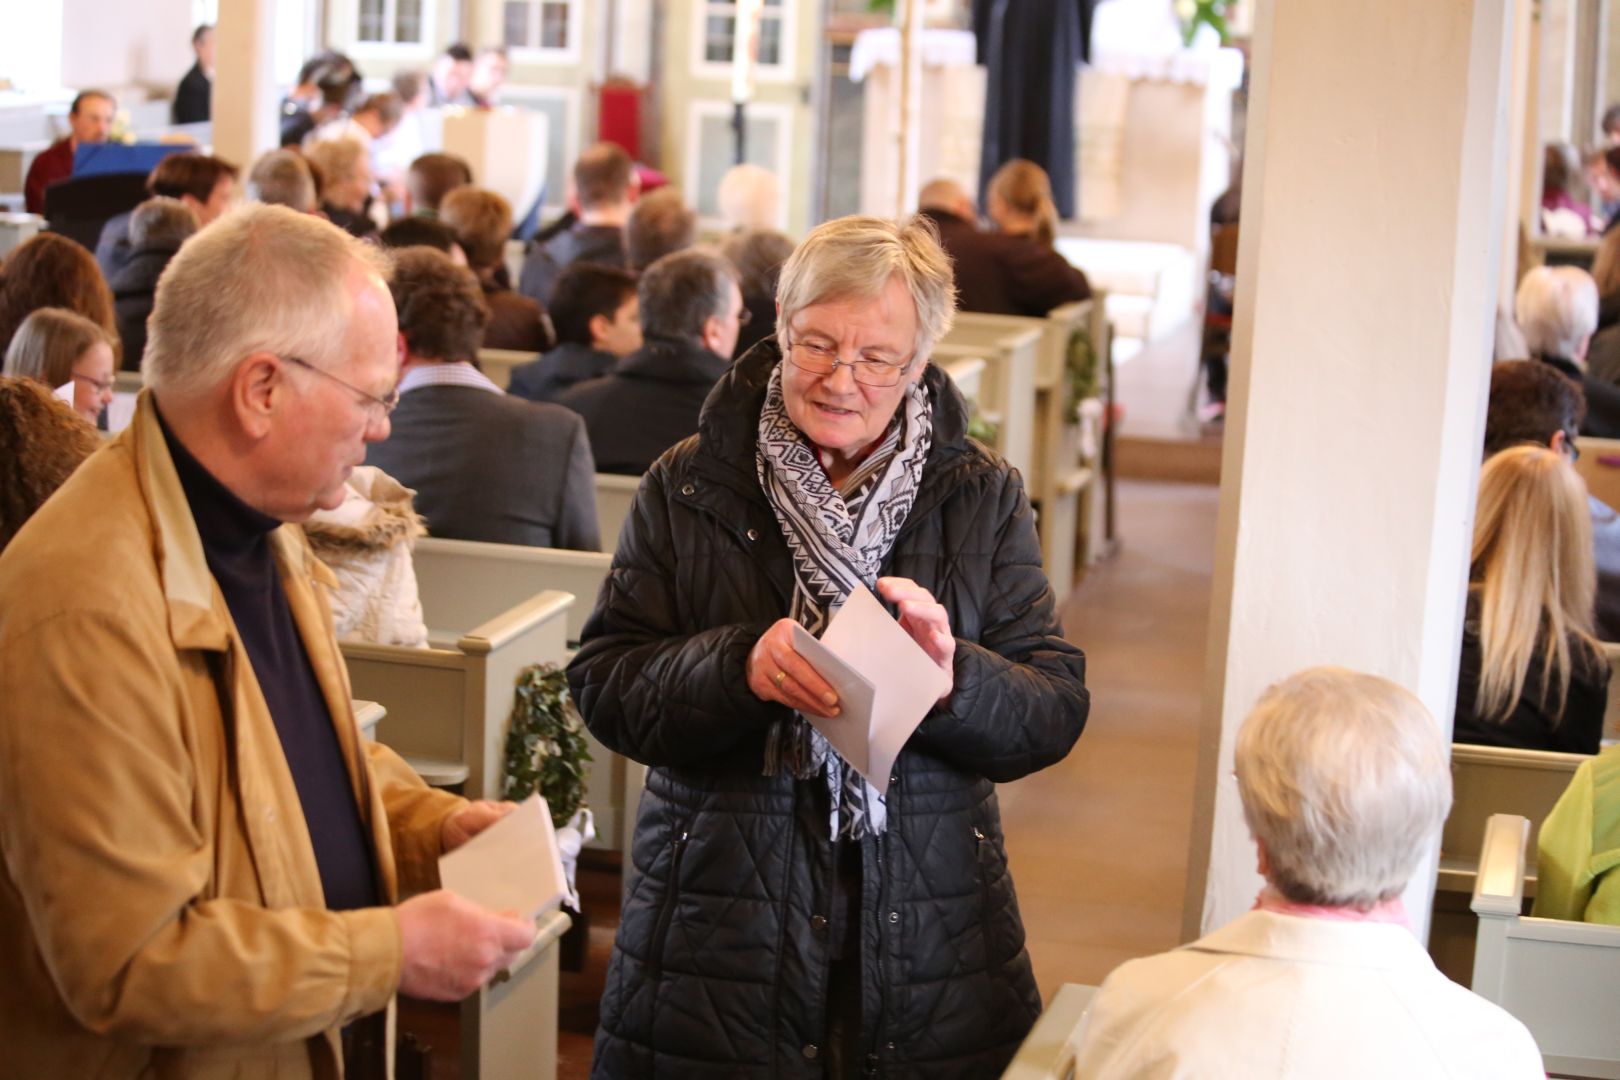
(1098, 843)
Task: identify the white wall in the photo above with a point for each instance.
(113, 45)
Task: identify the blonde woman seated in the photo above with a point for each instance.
(56, 347)
(1531, 674)
(1345, 782)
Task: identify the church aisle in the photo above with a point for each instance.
(1098, 843)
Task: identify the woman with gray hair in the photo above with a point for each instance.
(1345, 783)
(787, 918)
(1557, 311)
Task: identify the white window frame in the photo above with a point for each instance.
(539, 54)
(397, 49)
(781, 157)
(570, 98)
(784, 72)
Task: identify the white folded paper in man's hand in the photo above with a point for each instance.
(514, 865)
(884, 680)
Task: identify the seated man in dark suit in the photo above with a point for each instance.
(597, 321)
(996, 273)
(691, 313)
(485, 466)
(604, 190)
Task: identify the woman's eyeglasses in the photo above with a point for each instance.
(102, 386)
(819, 358)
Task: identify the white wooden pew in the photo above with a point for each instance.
(1007, 397)
(1058, 477)
(614, 494)
(367, 714)
(497, 364)
(1560, 979)
(967, 372)
(468, 572)
(1049, 1049)
(448, 704)
(509, 1028)
(1486, 780)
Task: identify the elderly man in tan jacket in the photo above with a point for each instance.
(201, 857)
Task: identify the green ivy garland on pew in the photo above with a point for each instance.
(545, 743)
(1079, 374)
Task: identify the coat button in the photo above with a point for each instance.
(812, 1051)
(894, 916)
(753, 534)
(688, 489)
(818, 922)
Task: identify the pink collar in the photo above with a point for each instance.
(1392, 910)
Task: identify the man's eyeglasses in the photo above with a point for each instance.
(819, 358)
(102, 386)
(387, 404)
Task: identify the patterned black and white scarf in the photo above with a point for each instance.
(839, 537)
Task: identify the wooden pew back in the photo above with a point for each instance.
(1560, 979)
(613, 497)
(497, 364)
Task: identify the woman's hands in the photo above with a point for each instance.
(925, 619)
(776, 672)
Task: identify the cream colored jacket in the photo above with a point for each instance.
(1291, 998)
(161, 914)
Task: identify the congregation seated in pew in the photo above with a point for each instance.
(484, 465)
(1344, 783)
(430, 178)
(691, 313)
(423, 232)
(605, 186)
(1531, 673)
(55, 347)
(661, 224)
(49, 270)
(283, 178)
(1557, 312)
(597, 320)
(1531, 403)
(157, 228)
(482, 220)
(758, 255)
(206, 184)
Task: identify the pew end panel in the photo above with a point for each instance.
(497, 364)
(1049, 1050)
(1559, 978)
(1486, 780)
(509, 1028)
(613, 497)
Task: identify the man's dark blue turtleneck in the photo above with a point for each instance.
(236, 543)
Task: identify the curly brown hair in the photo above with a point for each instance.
(49, 270)
(442, 312)
(42, 441)
(482, 221)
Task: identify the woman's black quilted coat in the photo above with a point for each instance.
(720, 965)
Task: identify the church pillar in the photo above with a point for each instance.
(246, 104)
(1367, 273)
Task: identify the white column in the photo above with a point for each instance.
(245, 100)
(1522, 168)
(1559, 21)
(1367, 271)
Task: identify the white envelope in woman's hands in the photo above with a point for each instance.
(884, 680)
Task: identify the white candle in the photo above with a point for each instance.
(744, 34)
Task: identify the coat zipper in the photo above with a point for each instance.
(666, 910)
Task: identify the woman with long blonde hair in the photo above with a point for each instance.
(1019, 199)
(1532, 675)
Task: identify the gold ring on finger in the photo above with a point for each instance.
(781, 677)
